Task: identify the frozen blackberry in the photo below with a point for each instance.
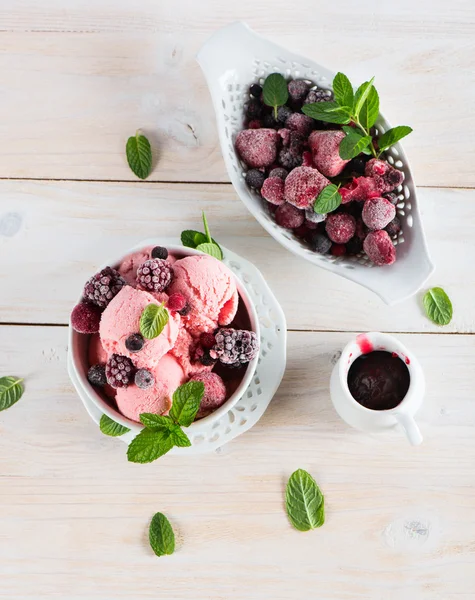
(279, 172)
(134, 343)
(119, 371)
(97, 375)
(392, 197)
(318, 96)
(254, 109)
(354, 246)
(283, 113)
(320, 243)
(159, 252)
(298, 89)
(144, 379)
(255, 178)
(394, 227)
(255, 90)
(289, 159)
(235, 346)
(103, 286)
(297, 141)
(268, 121)
(357, 165)
(155, 275)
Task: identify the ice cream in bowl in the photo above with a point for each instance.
(158, 318)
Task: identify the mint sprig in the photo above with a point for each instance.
(202, 241)
(328, 200)
(304, 501)
(161, 536)
(162, 432)
(361, 109)
(112, 428)
(153, 320)
(438, 306)
(274, 91)
(11, 390)
(139, 155)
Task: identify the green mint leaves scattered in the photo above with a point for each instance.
(11, 390)
(361, 109)
(304, 501)
(202, 241)
(438, 306)
(274, 91)
(161, 536)
(153, 320)
(110, 427)
(139, 155)
(328, 200)
(162, 432)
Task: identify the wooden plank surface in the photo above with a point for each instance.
(53, 236)
(74, 513)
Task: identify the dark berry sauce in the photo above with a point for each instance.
(378, 380)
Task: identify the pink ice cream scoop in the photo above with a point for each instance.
(183, 350)
(133, 401)
(210, 290)
(121, 319)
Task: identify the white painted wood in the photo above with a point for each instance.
(100, 70)
(400, 520)
(56, 234)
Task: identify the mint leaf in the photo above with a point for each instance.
(11, 390)
(304, 501)
(329, 112)
(179, 437)
(153, 320)
(370, 109)
(200, 238)
(391, 136)
(353, 144)
(343, 90)
(186, 402)
(274, 91)
(350, 130)
(361, 94)
(156, 422)
(328, 200)
(110, 427)
(149, 445)
(161, 536)
(205, 225)
(438, 306)
(211, 249)
(139, 155)
(188, 238)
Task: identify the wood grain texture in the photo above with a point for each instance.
(53, 236)
(400, 520)
(100, 70)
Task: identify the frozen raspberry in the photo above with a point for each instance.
(325, 146)
(119, 371)
(394, 227)
(254, 124)
(176, 302)
(279, 172)
(97, 375)
(215, 393)
(144, 379)
(307, 160)
(376, 167)
(379, 248)
(303, 185)
(159, 252)
(134, 343)
(300, 123)
(85, 318)
(207, 340)
(392, 197)
(283, 114)
(386, 177)
(338, 250)
(318, 96)
(285, 136)
(255, 90)
(320, 243)
(360, 189)
(312, 216)
(289, 216)
(257, 147)
(377, 213)
(235, 346)
(340, 227)
(273, 190)
(289, 159)
(255, 178)
(103, 286)
(354, 246)
(155, 275)
(298, 89)
(254, 109)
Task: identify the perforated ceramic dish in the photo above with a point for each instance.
(235, 57)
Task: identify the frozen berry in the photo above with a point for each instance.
(203, 356)
(144, 379)
(325, 146)
(298, 89)
(97, 375)
(302, 231)
(311, 215)
(307, 160)
(284, 134)
(255, 90)
(358, 165)
(134, 343)
(283, 114)
(235, 346)
(207, 340)
(279, 172)
(385, 176)
(377, 213)
(268, 121)
(254, 124)
(300, 123)
(340, 227)
(273, 190)
(394, 227)
(320, 243)
(303, 185)
(297, 141)
(176, 302)
(254, 109)
(255, 178)
(214, 395)
(318, 96)
(289, 159)
(119, 371)
(103, 286)
(85, 318)
(392, 197)
(155, 275)
(379, 248)
(159, 252)
(185, 310)
(257, 147)
(360, 189)
(338, 250)
(361, 229)
(289, 216)
(310, 224)
(354, 246)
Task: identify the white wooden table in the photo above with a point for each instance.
(76, 79)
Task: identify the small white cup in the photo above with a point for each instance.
(368, 420)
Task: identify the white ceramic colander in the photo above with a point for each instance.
(235, 57)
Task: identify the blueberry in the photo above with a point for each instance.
(255, 178)
(354, 246)
(160, 252)
(144, 379)
(134, 343)
(97, 375)
(255, 90)
(320, 243)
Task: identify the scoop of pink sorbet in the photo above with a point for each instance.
(325, 146)
(210, 290)
(302, 186)
(121, 319)
(215, 393)
(133, 401)
(257, 147)
(183, 351)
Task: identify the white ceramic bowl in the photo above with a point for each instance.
(78, 348)
(232, 59)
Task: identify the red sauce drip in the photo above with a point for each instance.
(364, 343)
(408, 360)
(395, 355)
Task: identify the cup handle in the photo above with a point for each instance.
(410, 428)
